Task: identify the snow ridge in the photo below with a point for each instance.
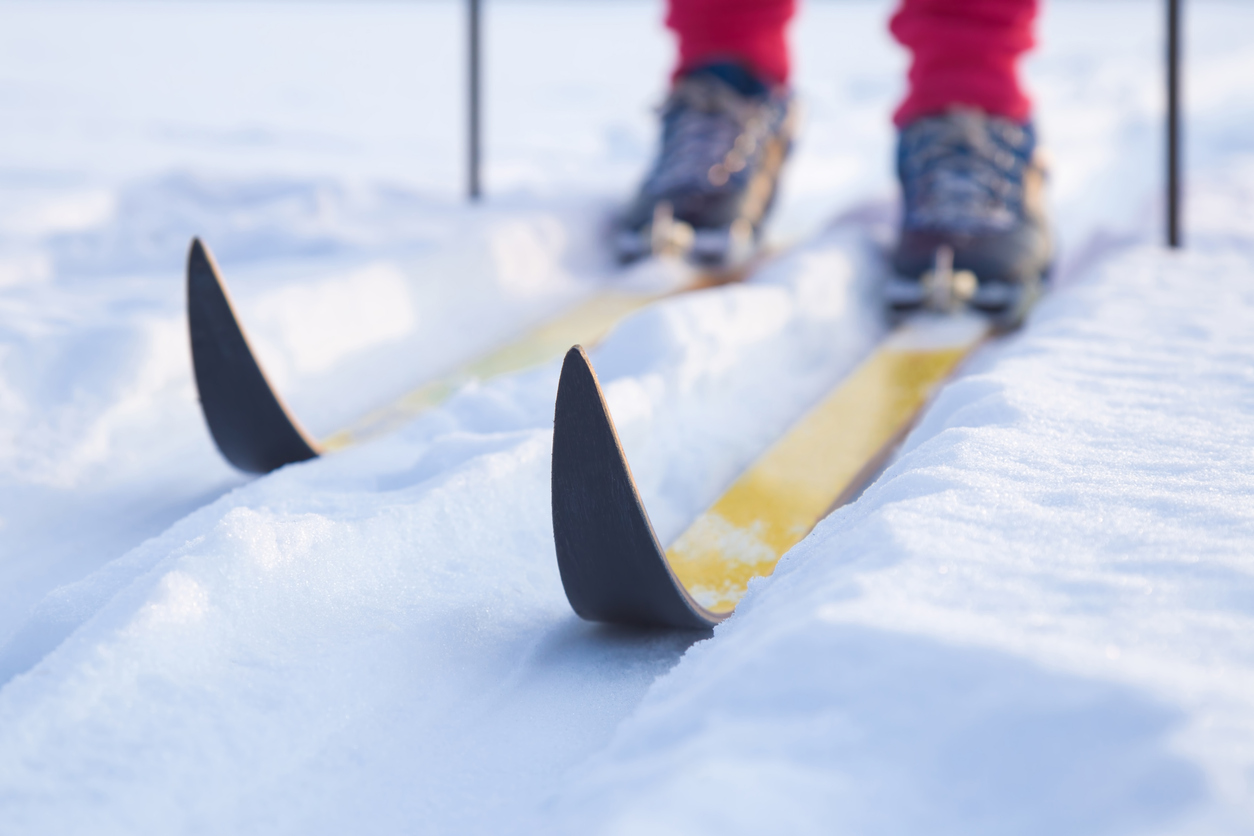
(1037, 620)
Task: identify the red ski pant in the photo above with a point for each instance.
(964, 51)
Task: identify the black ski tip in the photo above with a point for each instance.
(247, 419)
(612, 567)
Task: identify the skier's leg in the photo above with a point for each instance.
(726, 128)
(965, 52)
(746, 32)
(972, 181)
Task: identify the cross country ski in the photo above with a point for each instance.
(612, 565)
(255, 430)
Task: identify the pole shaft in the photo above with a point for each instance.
(1173, 123)
(473, 101)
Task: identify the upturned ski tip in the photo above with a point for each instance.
(251, 426)
(612, 566)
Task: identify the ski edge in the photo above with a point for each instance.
(613, 569)
(248, 420)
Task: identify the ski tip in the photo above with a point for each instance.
(612, 567)
(579, 395)
(249, 423)
(197, 250)
(576, 370)
(200, 266)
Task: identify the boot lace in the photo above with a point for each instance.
(710, 134)
(963, 172)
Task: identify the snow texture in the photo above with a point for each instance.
(1038, 619)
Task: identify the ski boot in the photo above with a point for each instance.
(974, 232)
(725, 135)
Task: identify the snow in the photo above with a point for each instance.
(1037, 620)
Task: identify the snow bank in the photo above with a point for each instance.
(1040, 619)
(382, 634)
(1036, 621)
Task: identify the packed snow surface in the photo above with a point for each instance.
(1038, 619)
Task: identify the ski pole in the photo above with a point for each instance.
(1173, 124)
(473, 101)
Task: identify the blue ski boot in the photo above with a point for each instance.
(974, 231)
(725, 135)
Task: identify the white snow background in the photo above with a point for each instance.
(1038, 620)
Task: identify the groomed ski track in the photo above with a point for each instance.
(1037, 620)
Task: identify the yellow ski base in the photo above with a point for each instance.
(820, 462)
(585, 324)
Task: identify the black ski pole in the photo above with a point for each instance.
(473, 103)
(1173, 124)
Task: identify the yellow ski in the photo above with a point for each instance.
(256, 431)
(590, 320)
(611, 563)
